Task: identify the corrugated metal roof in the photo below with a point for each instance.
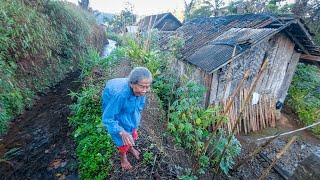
(220, 50)
(219, 33)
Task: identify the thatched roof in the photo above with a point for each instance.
(156, 22)
(209, 42)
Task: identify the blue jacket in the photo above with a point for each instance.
(121, 108)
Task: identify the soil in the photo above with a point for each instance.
(305, 144)
(167, 161)
(39, 143)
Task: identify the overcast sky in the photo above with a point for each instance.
(140, 7)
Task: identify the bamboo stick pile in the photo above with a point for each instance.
(255, 117)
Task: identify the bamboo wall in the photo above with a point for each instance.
(272, 86)
(255, 116)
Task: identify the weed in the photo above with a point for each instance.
(94, 146)
(304, 94)
(187, 120)
(148, 157)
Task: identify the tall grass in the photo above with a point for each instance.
(40, 41)
(304, 95)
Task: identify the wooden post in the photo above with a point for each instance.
(263, 67)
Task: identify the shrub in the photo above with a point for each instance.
(40, 41)
(304, 94)
(188, 121)
(94, 146)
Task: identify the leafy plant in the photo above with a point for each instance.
(94, 146)
(40, 41)
(304, 94)
(175, 44)
(233, 150)
(189, 124)
(188, 175)
(188, 121)
(148, 157)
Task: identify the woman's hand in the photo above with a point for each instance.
(126, 138)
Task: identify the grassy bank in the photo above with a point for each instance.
(40, 41)
(304, 95)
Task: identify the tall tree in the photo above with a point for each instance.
(202, 8)
(84, 4)
(202, 11)
(214, 5)
(125, 18)
(309, 10)
(259, 6)
(188, 6)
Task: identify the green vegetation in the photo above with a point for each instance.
(94, 146)
(147, 157)
(189, 124)
(186, 118)
(304, 95)
(40, 41)
(188, 121)
(125, 18)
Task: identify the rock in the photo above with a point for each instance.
(308, 168)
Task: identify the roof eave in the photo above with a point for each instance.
(267, 37)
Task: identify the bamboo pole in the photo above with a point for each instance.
(278, 156)
(228, 106)
(245, 76)
(261, 112)
(263, 67)
(290, 132)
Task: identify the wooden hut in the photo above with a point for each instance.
(162, 22)
(219, 50)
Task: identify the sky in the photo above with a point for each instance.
(140, 7)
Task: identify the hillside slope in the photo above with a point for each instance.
(40, 41)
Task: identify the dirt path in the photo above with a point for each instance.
(39, 143)
(166, 161)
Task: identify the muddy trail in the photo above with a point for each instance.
(39, 142)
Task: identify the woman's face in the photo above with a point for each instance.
(141, 88)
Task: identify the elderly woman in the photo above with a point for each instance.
(123, 100)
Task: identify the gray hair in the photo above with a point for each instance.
(138, 74)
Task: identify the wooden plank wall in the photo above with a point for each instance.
(272, 86)
(282, 93)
